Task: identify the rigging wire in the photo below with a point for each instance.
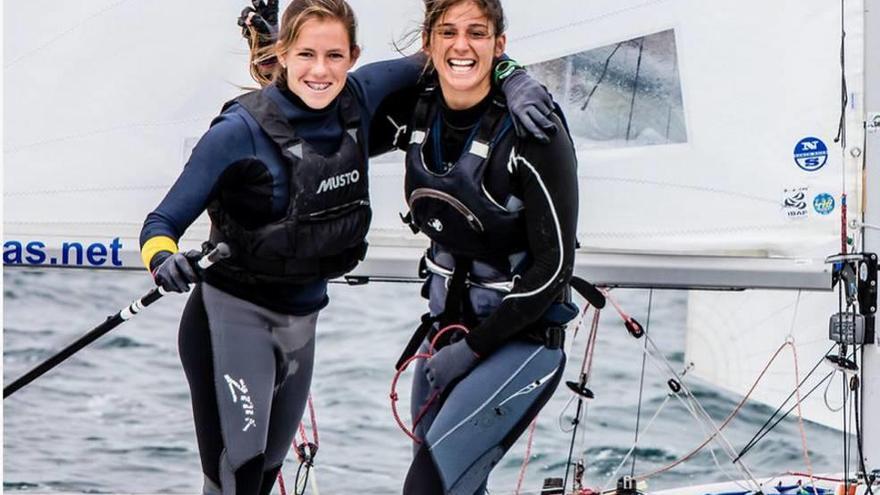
(869, 482)
(764, 432)
(726, 421)
(632, 103)
(700, 414)
(642, 380)
(610, 479)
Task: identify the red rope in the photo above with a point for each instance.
(394, 396)
(522, 470)
(281, 486)
(821, 478)
(426, 406)
(312, 417)
(305, 440)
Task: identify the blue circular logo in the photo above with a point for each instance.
(810, 154)
(823, 203)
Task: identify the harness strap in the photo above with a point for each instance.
(421, 114)
(416, 340)
(457, 307)
(490, 127)
(456, 310)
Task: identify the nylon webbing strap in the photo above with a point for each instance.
(421, 114)
(457, 308)
(491, 122)
(416, 340)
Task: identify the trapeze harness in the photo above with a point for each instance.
(479, 242)
(322, 234)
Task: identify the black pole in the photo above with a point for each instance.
(156, 293)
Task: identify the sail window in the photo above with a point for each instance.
(619, 95)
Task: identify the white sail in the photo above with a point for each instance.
(731, 336)
(687, 147)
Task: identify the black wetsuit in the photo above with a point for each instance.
(248, 348)
(468, 433)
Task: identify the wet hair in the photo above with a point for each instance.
(295, 16)
(436, 9)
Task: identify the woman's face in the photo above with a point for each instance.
(462, 46)
(318, 60)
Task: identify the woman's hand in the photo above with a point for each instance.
(176, 271)
(262, 15)
(530, 104)
(450, 364)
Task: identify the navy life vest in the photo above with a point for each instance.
(322, 234)
(454, 208)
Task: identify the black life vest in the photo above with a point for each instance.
(453, 208)
(322, 235)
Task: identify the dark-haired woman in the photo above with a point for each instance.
(268, 173)
(501, 212)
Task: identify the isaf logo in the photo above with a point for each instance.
(338, 181)
(794, 203)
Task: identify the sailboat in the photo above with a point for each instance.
(724, 147)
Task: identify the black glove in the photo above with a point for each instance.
(264, 20)
(174, 272)
(449, 365)
(530, 105)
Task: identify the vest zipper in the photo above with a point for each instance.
(330, 213)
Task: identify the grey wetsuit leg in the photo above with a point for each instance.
(481, 418)
(262, 372)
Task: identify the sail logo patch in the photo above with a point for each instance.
(810, 154)
(794, 203)
(337, 181)
(823, 203)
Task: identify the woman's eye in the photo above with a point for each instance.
(447, 33)
(305, 55)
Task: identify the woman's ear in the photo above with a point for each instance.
(425, 43)
(355, 54)
(500, 45)
(279, 54)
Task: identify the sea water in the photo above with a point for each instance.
(116, 417)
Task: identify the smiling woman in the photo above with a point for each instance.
(463, 43)
(315, 52)
(282, 173)
(500, 209)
